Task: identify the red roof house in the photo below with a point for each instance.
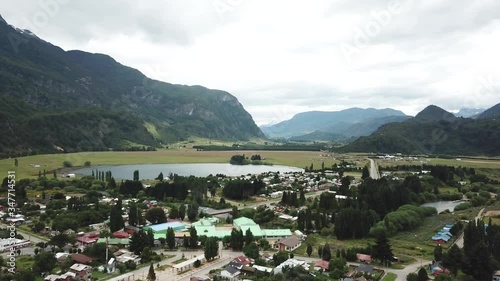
(364, 258)
(322, 264)
(120, 234)
(81, 258)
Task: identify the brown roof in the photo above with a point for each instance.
(81, 258)
(323, 264)
(363, 257)
(291, 241)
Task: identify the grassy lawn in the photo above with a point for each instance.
(389, 277)
(179, 261)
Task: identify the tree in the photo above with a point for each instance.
(237, 240)
(55, 174)
(248, 237)
(156, 215)
(136, 175)
(326, 254)
(453, 259)
(211, 248)
(438, 252)
(133, 214)
(185, 242)
(193, 239)
(412, 277)
(16, 163)
(365, 173)
(422, 275)
(320, 251)
(382, 249)
(182, 211)
(309, 249)
(146, 255)
(174, 213)
(279, 258)
(170, 238)
(44, 262)
(115, 218)
(251, 250)
(151, 273)
(160, 176)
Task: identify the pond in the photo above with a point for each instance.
(151, 171)
(443, 205)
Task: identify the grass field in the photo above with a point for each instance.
(50, 162)
(389, 277)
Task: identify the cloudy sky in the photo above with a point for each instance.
(282, 57)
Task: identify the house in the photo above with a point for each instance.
(124, 256)
(364, 258)
(86, 240)
(230, 273)
(365, 268)
(186, 265)
(248, 270)
(321, 264)
(288, 244)
(121, 234)
(290, 263)
(496, 276)
(81, 258)
(82, 271)
(437, 268)
(263, 268)
(243, 261)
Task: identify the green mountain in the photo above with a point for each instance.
(493, 112)
(352, 122)
(433, 131)
(55, 100)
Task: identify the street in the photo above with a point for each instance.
(374, 170)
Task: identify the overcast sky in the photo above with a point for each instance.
(283, 57)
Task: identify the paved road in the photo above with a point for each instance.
(374, 170)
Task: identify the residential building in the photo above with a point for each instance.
(82, 271)
(290, 263)
(364, 258)
(230, 273)
(288, 244)
(81, 258)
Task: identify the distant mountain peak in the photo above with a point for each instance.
(434, 113)
(469, 112)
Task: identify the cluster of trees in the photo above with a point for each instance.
(407, 217)
(346, 229)
(289, 198)
(242, 189)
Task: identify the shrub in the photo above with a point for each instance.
(197, 263)
(463, 206)
(87, 163)
(67, 164)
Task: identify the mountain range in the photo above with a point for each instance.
(333, 125)
(55, 100)
(435, 131)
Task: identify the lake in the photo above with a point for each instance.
(443, 205)
(151, 171)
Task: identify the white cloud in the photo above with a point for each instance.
(283, 57)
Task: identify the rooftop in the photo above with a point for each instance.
(164, 226)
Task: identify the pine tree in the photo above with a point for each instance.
(453, 259)
(170, 238)
(326, 253)
(382, 249)
(422, 275)
(185, 242)
(320, 251)
(248, 237)
(182, 211)
(151, 274)
(438, 252)
(309, 249)
(193, 239)
(16, 163)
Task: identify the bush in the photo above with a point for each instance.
(197, 263)
(463, 206)
(87, 163)
(67, 164)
